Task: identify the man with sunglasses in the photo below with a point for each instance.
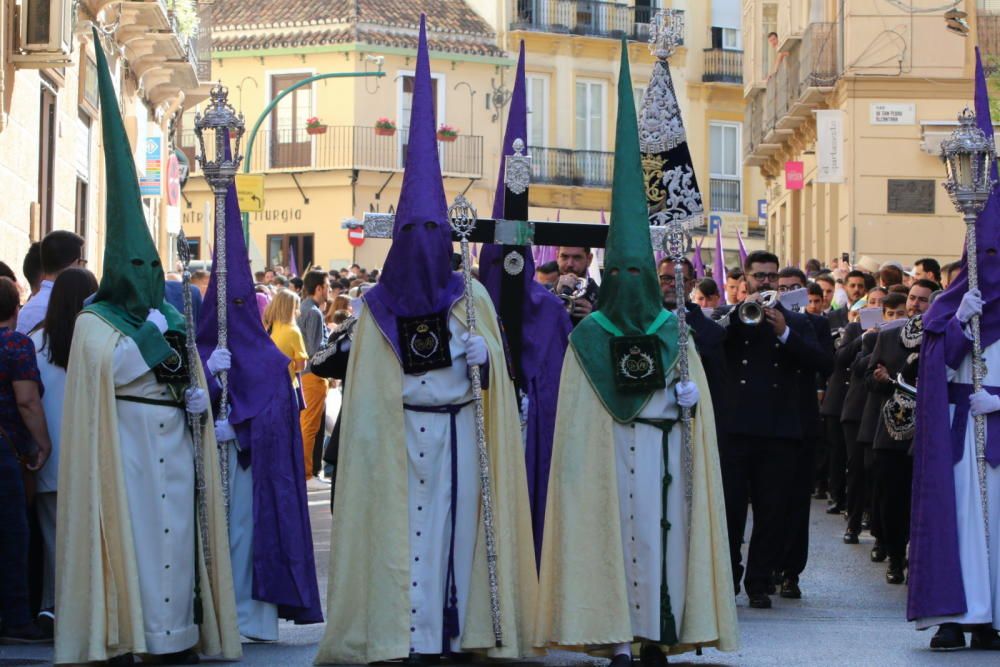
(765, 425)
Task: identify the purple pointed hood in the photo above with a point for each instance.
(257, 363)
(417, 278)
(490, 259)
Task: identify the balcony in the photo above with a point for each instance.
(722, 66)
(584, 17)
(563, 166)
(347, 147)
(724, 195)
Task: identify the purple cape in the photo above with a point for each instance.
(417, 278)
(545, 329)
(935, 578)
(266, 418)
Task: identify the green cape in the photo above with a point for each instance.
(630, 302)
(133, 280)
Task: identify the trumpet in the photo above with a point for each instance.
(570, 293)
(751, 312)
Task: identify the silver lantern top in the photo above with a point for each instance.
(968, 156)
(221, 125)
(666, 32)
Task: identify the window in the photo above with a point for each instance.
(194, 247)
(406, 81)
(538, 110)
(46, 157)
(638, 92)
(278, 247)
(82, 198)
(725, 167)
(290, 143)
(590, 113)
(768, 53)
(727, 39)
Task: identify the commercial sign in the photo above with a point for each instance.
(250, 192)
(762, 212)
(890, 113)
(150, 184)
(794, 175)
(830, 146)
(173, 181)
(729, 222)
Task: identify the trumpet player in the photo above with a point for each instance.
(764, 428)
(575, 285)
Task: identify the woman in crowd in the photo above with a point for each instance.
(52, 339)
(706, 294)
(24, 438)
(279, 320)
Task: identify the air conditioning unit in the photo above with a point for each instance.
(45, 34)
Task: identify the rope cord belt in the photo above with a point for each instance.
(668, 625)
(450, 627)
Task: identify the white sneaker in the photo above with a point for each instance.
(316, 484)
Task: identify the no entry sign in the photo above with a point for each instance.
(356, 237)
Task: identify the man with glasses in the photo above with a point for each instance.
(796, 543)
(765, 426)
(574, 264)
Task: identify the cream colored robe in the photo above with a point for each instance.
(97, 596)
(368, 595)
(583, 597)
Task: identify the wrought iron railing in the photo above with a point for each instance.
(349, 147)
(584, 17)
(563, 166)
(725, 195)
(819, 56)
(723, 66)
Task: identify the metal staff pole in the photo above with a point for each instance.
(225, 125)
(969, 157)
(194, 421)
(463, 220)
(675, 242)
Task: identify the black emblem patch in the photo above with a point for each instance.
(637, 363)
(423, 342)
(174, 369)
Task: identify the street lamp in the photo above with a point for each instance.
(223, 127)
(969, 157)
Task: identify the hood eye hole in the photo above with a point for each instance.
(137, 262)
(633, 270)
(431, 225)
(614, 272)
(991, 252)
(155, 264)
(238, 301)
(408, 227)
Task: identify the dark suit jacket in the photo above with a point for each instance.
(709, 338)
(889, 352)
(857, 394)
(846, 348)
(811, 381)
(173, 293)
(837, 318)
(765, 377)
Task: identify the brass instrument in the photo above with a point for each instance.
(751, 311)
(570, 295)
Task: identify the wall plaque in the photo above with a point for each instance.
(911, 196)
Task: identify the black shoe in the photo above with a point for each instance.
(621, 661)
(894, 575)
(836, 508)
(878, 553)
(820, 495)
(850, 537)
(186, 657)
(650, 655)
(949, 637)
(790, 589)
(123, 660)
(985, 638)
(29, 633)
(759, 601)
(422, 659)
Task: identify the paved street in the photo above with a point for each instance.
(848, 616)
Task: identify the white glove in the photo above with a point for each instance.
(687, 394)
(224, 431)
(220, 360)
(972, 305)
(983, 403)
(357, 307)
(196, 401)
(344, 346)
(476, 353)
(525, 402)
(158, 319)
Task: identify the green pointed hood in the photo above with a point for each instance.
(630, 302)
(133, 280)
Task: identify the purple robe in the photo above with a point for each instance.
(264, 413)
(935, 576)
(545, 329)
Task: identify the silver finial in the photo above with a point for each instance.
(666, 32)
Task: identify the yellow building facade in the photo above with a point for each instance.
(51, 162)
(846, 110)
(314, 182)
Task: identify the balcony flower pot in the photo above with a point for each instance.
(447, 133)
(385, 131)
(316, 129)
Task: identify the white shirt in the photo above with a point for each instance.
(33, 312)
(54, 381)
